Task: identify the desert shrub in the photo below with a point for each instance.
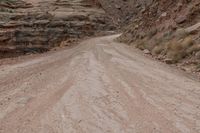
(167, 36)
(180, 33)
(174, 46)
(158, 49)
(187, 42)
(193, 49)
(179, 49)
(176, 55)
(150, 46)
(141, 45)
(151, 33)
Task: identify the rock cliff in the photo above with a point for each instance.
(37, 26)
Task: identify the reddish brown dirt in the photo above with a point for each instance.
(99, 86)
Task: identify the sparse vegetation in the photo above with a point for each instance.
(157, 49)
(175, 46)
(175, 49)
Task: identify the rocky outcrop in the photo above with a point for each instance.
(122, 11)
(40, 27)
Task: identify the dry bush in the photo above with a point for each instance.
(179, 49)
(176, 56)
(187, 42)
(193, 49)
(174, 45)
(158, 49)
(141, 45)
(176, 49)
(180, 33)
(146, 44)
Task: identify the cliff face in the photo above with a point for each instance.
(37, 26)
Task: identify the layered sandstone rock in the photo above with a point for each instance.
(37, 27)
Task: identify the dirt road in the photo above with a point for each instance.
(99, 86)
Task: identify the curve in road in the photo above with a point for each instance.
(98, 86)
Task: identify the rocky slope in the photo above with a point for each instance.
(37, 25)
(167, 29)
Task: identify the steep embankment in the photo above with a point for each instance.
(37, 25)
(166, 29)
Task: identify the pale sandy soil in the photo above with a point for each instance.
(99, 86)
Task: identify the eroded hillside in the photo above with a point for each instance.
(167, 29)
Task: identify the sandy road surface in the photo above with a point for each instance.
(98, 86)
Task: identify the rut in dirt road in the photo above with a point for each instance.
(99, 86)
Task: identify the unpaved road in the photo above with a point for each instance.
(99, 86)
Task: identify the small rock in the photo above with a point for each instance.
(136, 26)
(143, 10)
(146, 51)
(160, 57)
(197, 55)
(137, 5)
(118, 7)
(169, 61)
(180, 19)
(164, 14)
